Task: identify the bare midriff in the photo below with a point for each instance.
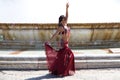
(65, 38)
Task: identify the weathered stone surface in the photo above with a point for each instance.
(33, 36)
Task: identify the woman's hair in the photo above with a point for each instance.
(60, 19)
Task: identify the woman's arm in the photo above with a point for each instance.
(67, 6)
(56, 33)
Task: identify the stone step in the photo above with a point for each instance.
(84, 59)
(79, 64)
(22, 58)
(77, 57)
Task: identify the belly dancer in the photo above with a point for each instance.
(61, 62)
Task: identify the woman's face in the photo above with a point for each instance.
(63, 21)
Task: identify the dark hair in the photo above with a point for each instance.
(60, 19)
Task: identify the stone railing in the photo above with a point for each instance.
(32, 36)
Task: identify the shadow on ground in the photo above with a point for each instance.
(47, 76)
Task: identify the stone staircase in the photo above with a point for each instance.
(82, 61)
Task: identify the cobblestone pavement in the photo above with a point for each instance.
(87, 74)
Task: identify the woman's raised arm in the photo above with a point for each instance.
(67, 6)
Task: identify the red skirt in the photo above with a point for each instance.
(60, 62)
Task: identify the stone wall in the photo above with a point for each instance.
(88, 35)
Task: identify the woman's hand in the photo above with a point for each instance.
(67, 5)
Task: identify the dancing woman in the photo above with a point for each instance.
(61, 62)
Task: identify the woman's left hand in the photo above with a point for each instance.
(67, 5)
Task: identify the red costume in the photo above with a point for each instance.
(60, 62)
